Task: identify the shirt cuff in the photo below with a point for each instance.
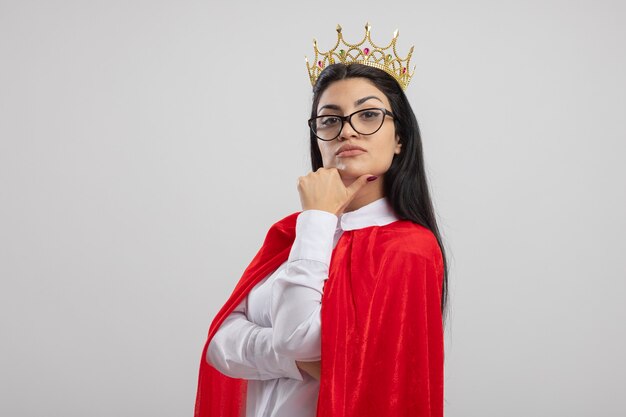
(315, 232)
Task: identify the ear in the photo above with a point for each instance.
(398, 145)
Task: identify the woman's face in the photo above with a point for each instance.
(344, 97)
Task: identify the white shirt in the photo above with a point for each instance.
(279, 321)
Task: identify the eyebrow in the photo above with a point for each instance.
(356, 103)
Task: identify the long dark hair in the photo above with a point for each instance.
(405, 182)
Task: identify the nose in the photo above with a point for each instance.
(347, 132)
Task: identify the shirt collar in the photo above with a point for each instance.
(376, 213)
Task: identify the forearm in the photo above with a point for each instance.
(298, 289)
(242, 349)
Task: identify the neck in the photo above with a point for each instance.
(369, 193)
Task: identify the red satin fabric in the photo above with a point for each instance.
(382, 334)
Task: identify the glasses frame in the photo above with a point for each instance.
(348, 119)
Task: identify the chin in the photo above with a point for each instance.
(348, 172)
(350, 168)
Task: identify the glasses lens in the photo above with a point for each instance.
(326, 127)
(368, 121)
(365, 122)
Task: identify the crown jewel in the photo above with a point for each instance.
(371, 55)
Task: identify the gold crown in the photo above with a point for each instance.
(371, 55)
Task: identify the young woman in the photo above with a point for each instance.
(341, 311)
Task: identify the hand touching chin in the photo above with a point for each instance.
(350, 174)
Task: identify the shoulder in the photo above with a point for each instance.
(408, 240)
(402, 255)
(284, 228)
(286, 222)
(413, 248)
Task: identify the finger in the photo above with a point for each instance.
(356, 185)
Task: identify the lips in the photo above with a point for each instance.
(348, 148)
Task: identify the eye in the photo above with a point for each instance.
(369, 114)
(327, 121)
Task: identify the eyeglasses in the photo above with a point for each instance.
(367, 122)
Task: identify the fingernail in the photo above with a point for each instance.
(372, 178)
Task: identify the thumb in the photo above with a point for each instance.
(360, 182)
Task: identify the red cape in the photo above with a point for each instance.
(382, 333)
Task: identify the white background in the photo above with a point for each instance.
(147, 146)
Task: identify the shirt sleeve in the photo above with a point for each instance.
(242, 349)
(297, 291)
